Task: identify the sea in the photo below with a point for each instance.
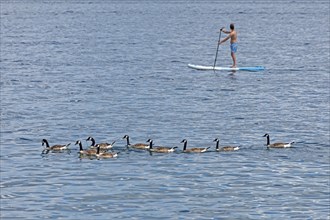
(71, 69)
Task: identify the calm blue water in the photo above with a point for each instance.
(73, 69)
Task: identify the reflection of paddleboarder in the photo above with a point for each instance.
(232, 34)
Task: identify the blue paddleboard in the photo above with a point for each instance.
(251, 68)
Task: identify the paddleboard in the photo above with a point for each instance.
(251, 68)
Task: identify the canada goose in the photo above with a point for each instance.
(225, 148)
(278, 144)
(54, 148)
(102, 145)
(160, 149)
(141, 146)
(89, 152)
(104, 154)
(192, 150)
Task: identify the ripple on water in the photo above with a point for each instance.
(125, 75)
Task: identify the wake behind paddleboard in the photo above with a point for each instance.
(251, 68)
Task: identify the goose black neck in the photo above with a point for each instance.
(127, 138)
(150, 145)
(93, 142)
(47, 144)
(185, 145)
(98, 150)
(80, 147)
(217, 145)
(268, 141)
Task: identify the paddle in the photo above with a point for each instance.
(216, 55)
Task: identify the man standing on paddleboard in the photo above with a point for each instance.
(232, 34)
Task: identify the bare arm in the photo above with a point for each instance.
(225, 39)
(226, 32)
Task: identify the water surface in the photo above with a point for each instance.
(73, 69)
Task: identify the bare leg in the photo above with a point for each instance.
(233, 56)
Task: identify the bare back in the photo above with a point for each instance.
(233, 37)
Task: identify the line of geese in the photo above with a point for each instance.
(101, 150)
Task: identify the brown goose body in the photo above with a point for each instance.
(104, 154)
(277, 144)
(225, 148)
(160, 149)
(140, 146)
(89, 152)
(54, 148)
(194, 149)
(103, 146)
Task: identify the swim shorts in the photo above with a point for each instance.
(233, 47)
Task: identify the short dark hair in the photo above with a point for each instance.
(232, 26)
